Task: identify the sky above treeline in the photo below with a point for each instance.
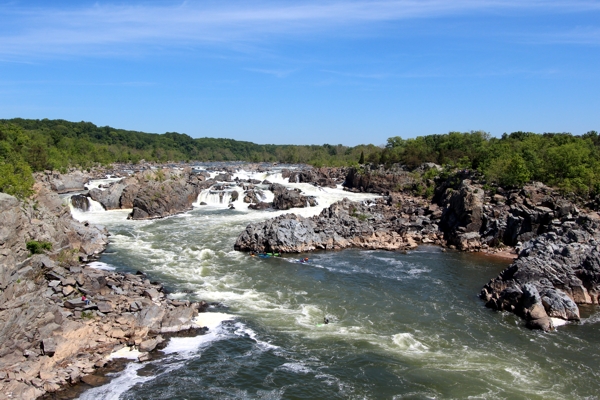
(305, 72)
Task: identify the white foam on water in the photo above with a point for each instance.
(206, 254)
(406, 341)
(124, 381)
(297, 368)
(244, 331)
(210, 320)
(558, 322)
(126, 352)
(96, 183)
(101, 265)
(592, 319)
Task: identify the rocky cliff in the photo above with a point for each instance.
(49, 337)
(554, 272)
(378, 179)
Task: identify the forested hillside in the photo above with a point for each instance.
(567, 161)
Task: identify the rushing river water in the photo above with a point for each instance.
(401, 325)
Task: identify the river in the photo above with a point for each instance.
(401, 326)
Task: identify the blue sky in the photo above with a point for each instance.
(310, 72)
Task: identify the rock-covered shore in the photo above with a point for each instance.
(49, 336)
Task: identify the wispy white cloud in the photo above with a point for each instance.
(110, 28)
(588, 35)
(274, 72)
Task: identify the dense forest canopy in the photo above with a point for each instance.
(567, 161)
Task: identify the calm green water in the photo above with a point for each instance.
(402, 325)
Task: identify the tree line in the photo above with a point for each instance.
(567, 161)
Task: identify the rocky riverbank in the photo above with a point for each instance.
(556, 243)
(376, 224)
(554, 273)
(49, 336)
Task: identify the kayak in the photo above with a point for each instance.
(268, 255)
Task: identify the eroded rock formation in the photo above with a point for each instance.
(371, 225)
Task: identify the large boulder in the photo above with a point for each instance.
(377, 179)
(80, 202)
(167, 195)
(109, 198)
(285, 199)
(553, 273)
(64, 183)
(464, 209)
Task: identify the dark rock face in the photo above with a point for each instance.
(254, 196)
(472, 221)
(464, 209)
(327, 177)
(286, 199)
(80, 202)
(110, 198)
(129, 194)
(377, 180)
(554, 272)
(161, 198)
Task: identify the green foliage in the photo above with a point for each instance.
(160, 175)
(87, 315)
(58, 145)
(560, 159)
(36, 247)
(16, 178)
(67, 257)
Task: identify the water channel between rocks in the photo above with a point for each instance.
(401, 325)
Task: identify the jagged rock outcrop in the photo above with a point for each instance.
(380, 180)
(254, 195)
(462, 217)
(110, 198)
(474, 221)
(64, 183)
(285, 198)
(554, 272)
(327, 177)
(375, 225)
(166, 193)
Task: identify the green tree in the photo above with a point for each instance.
(16, 179)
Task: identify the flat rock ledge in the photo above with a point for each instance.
(368, 225)
(52, 338)
(553, 273)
